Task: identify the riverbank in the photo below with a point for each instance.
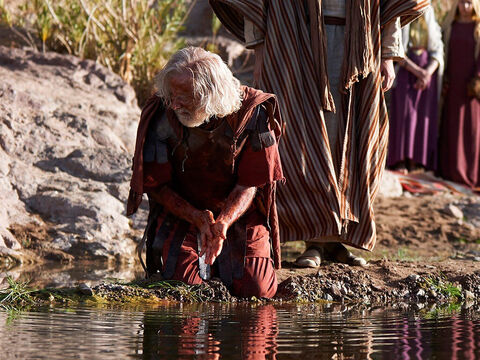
(400, 283)
(428, 251)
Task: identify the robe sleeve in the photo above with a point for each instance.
(392, 46)
(253, 36)
(155, 175)
(260, 167)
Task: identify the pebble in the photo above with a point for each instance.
(85, 289)
(421, 293)
(454, 211)
(469, 295)
(413, 277)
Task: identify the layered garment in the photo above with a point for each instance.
(459, 143)
(414, 112)
(203, 165)
(329, 190)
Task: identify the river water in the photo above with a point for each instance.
(241, 331)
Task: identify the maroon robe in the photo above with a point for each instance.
(251, 168)
(459, 143)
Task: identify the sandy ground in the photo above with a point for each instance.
(417, 234)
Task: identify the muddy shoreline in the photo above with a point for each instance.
(424, 254)
(401, 283)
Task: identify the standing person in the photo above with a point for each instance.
(459, 143)
(325, 61)
(414, 99)
(206, 155)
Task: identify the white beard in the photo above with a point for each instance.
(191, 120)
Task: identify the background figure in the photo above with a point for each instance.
(414, 99)
(459, 143)
(333, 163)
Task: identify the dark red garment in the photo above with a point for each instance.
(237, 122)
(259, 278)
(459, 143)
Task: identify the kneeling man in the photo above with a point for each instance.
(206, 154)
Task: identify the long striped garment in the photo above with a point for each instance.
(329, 192)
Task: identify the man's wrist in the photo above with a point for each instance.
(223, 220)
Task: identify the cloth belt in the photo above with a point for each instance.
(333, 20)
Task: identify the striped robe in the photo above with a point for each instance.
(329, 192)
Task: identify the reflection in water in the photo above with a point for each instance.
(241, 331)
(446, 338)
(247, 332)
(56, 274)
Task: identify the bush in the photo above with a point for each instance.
(133, 38)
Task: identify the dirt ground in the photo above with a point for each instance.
(417, 235)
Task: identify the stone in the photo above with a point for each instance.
(85, 289)
(469, 295)
(67, 135)
(390, 186)
(414, 277)
(454, 211)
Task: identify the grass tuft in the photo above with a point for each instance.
(16, 295)
(180, 290)
(444, 287)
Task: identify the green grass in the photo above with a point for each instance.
(443, 310)
(175, 288)
(442, 286)
(16, 295)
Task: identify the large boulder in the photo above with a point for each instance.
(67, 133)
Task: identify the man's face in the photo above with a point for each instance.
(465, 8)
(183, 101)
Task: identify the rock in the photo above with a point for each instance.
(454, 211)
(390, 185)
(414, 277)
(468, 295)
(67, 134)
(199, 22)
(85, 289)
(336, 291)
(420, 293)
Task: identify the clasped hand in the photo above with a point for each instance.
(212, 235)
(423, 79)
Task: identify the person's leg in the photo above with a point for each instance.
(327, 248)
(337, 252)
(259, 279)
(186, 267)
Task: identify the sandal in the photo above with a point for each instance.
(311, 258)
(337, 252)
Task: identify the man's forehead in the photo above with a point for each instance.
(182, 80)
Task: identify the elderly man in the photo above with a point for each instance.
(206, 155)
(329, 62)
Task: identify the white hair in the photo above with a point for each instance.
(214, 85)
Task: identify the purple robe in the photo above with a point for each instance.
(413, 118)
(459, 143)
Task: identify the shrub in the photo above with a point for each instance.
(133, 38)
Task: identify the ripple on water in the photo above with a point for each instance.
(259, 331)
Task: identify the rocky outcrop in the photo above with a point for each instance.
(67, 132)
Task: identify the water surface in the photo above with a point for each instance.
(245, 331)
